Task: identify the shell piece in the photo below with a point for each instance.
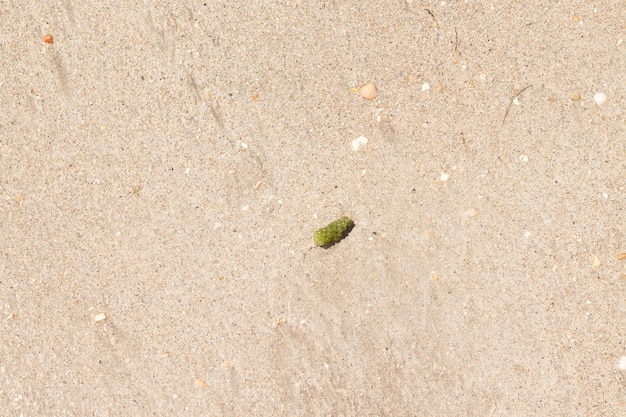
(333, 233)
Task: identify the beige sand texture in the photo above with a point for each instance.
(166, 164)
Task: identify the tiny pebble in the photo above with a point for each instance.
(425, 87)
(368, 91)
(445, 176)
(599, 98)
(100, 317)
(575, 96)
(48, 38)
(622, 363)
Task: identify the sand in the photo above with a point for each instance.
(163, 168)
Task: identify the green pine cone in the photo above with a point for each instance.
(333, 233)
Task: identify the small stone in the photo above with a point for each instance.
(575, 96)
(368, 91)
(48, 38)
(100, 317)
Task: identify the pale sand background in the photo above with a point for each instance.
(130, 151)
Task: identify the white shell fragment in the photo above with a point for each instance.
(356, 143)
(100, 317)
(596, 261)
(599, 98)
(622, 363)
(471, 212)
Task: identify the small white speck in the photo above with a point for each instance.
(187, 171)
(605, 195)
(217, 225)
(523, 158)
(599, 98)
(280, 201)
(516, 101)
(118, 233)
(425, 87)
(244, 145)
(174, 396)
(245, 208)
(363, 172)
(527, 234)
(100, 317)
(445, 176)
(619, 42)
(622, 363)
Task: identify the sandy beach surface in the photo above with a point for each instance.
(164, 165)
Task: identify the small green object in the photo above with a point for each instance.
(333, 233)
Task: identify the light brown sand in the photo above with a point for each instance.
(167, 164)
